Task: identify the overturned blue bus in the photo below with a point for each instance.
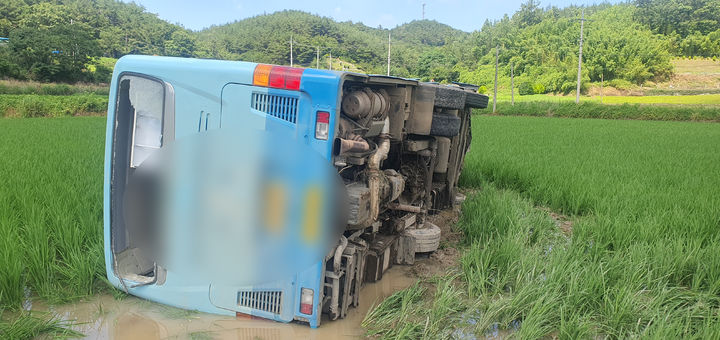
(347, 165)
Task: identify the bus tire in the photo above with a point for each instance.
(476, 100)
(450, 97)
(445, 125)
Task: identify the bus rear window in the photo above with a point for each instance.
(144, 99)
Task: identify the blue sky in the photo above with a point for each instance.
(466, 15)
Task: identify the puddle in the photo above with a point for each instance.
(103, 317)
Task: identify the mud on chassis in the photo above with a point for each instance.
(399, 149)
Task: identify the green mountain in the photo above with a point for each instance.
(266, 38)
(428, 32)
(63, 40)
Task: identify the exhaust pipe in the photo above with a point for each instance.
(342, 146)
(374, 167)
(405, 207)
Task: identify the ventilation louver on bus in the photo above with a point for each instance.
(281, 107)
(266, 301)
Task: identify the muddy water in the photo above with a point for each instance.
(103, 317)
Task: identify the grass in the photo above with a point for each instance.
(417, 312)
(28, 325)
(699, 98)
(597, 110)
(641, 260)
(705, 99)
(50, 209)
(54, 89)
(641, 257)
(682, 91)
(696, 66)
(32, 105)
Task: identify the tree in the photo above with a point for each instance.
(181, 44)
(529, 14)
(58, 53)
(681, 16)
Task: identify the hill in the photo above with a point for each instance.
(266, 38)
(427, 32)
(63, 40)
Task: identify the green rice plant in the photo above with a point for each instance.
(646, 198)
(50, 209)
(28, 325)
(640, 257)
(419, 313)
(390, 319)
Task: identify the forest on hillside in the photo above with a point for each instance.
(78, 40)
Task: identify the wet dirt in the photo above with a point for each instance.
(564, 223)
(447, 256)
(103, 317)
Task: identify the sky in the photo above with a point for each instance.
(466, 15)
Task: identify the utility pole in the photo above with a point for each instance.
(582, 24)
(317, 59)
(330, 60)
(423, 11)
(497, 57)
(602, 84)
(291, 52)
(388, 73)
(512, 84)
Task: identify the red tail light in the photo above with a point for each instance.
(306, 301)
(293, 77)
(279, 77)
(322, 125)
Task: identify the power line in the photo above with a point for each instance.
(317, 48)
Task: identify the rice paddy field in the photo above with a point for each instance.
(578, 228)
(50, 214)
(573, 228)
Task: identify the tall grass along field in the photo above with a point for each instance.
(637, 255)
(33, 105)
(50, 208)
(596, 110)
(701, 98)
(54, 89)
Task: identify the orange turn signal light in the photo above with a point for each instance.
(261, 77)
(279, 77)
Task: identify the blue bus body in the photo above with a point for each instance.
(397, 144)
(214, 87)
